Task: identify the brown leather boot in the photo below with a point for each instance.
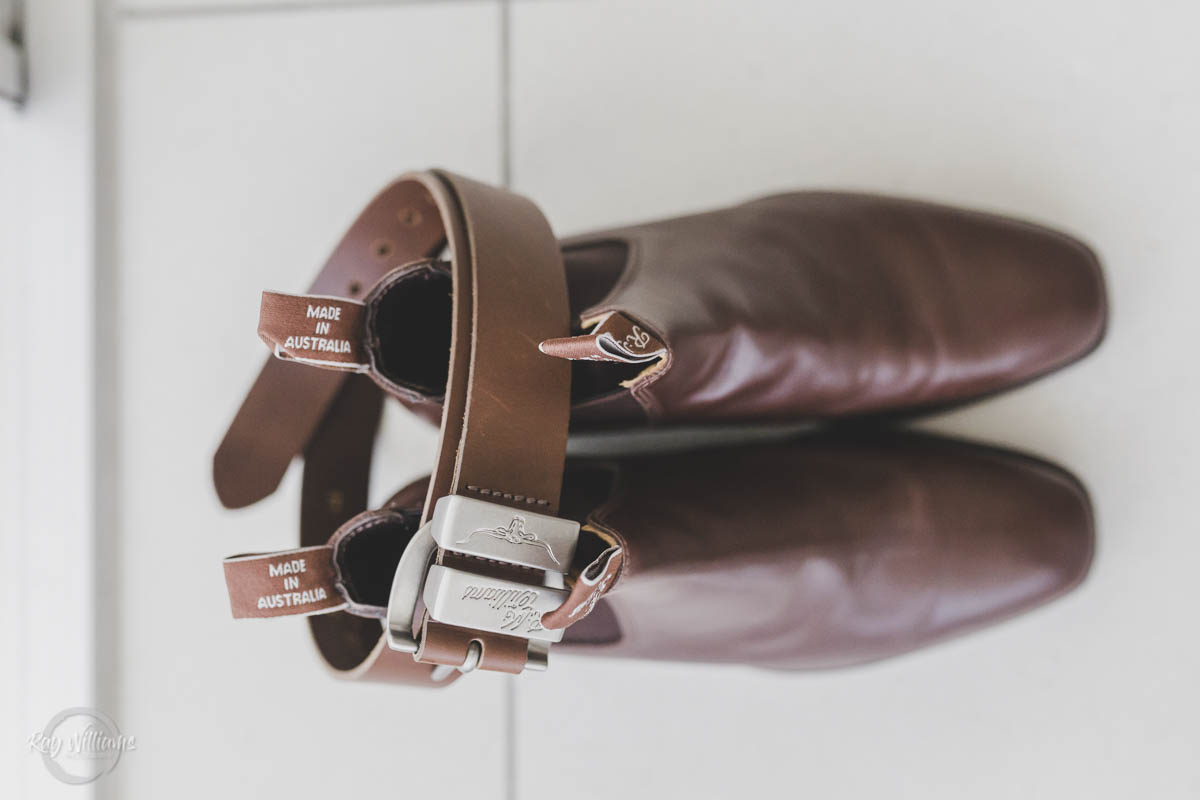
(820, 552)
(798, 306)
(831, 551)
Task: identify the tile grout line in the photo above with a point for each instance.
(252, 8)
(506, 93)
(510, 738)
(511, 750)
(106, 477)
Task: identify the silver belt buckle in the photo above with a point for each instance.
(481, 602)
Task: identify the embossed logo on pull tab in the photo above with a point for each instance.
(513, 533)
(637, 339)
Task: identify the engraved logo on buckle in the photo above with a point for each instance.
(520, 615)
(491, 604)
(514, 533)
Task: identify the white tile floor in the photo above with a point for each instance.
(245, 142)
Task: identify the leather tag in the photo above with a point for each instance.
(283, 584)
(594, 582)
(321, 331)
(615, 337)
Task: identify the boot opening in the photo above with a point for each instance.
(412, 331)
(367, 558)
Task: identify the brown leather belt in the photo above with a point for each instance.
(498, 553)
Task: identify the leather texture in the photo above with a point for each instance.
(283, 583)
(288, 400)
(505, 404)
(313, 330)
(504, 423)
(813, 305)
(821, 552)
(832, 551)
(821, 304)
(808, 305)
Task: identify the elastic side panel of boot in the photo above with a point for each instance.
(593, 269)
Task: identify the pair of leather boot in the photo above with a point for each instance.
(819, 551)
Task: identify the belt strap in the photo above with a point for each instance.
(506, 408)
(287, 402)
(504, 426)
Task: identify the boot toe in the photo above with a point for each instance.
(1067, 303)
(1007, 557)
(1035, 302)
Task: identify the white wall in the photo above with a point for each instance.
(238, 138)
(47, 521)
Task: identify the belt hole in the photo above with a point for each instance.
(383, 248)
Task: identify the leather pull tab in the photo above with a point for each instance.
(615, 337)
(594, 582)
(311, 329)
(286, 583)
